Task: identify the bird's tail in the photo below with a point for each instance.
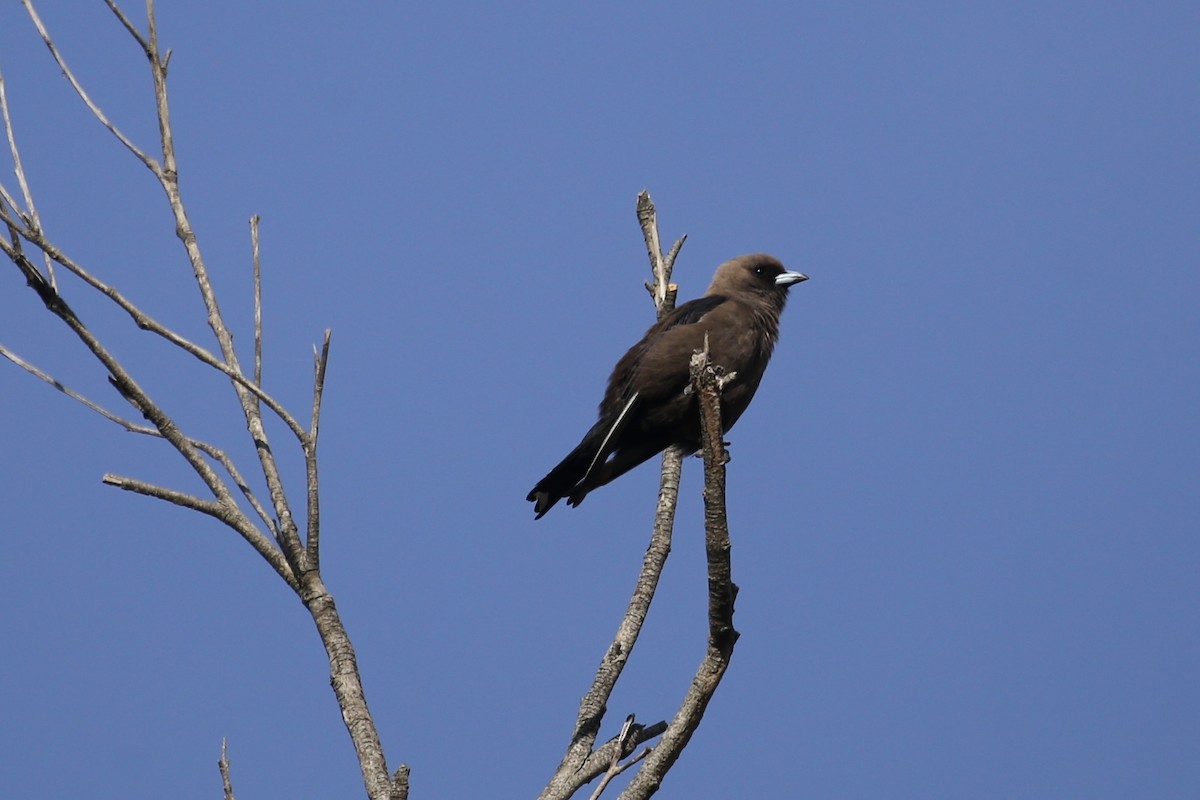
(564, 478)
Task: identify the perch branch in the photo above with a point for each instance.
(721, 590)
(571, 773)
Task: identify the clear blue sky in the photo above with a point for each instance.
(964, 502)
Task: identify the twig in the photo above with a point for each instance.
(399, 789)
(320, 362)
(221, 510)
(227, 462)
(83, 95)
(289, 558)
(168, 178)
(257, 299)
(141, 40)
(313, 533)
(615, 767)
(212, 508)
(662, 290)
(145, 430)
(31, 216)
(133, 392)
(149, 323)
(132, 427)
(223, 765)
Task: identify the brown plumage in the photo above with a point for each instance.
(648, 406)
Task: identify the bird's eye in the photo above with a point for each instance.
(758, 270)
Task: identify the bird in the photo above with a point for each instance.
(648, 405)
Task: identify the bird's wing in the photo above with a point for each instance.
(610, 438)
(692, 311)
(670, 328)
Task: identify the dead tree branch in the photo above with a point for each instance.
(581, 765)
(223, 766)
(291, 550)
(706, 382)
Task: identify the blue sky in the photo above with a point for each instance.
(963, 504)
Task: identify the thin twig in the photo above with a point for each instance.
(83, 95)
(660, 266)
(223, 511)
(31, 214)
(168, 176)
(238, 480)
(149, 323)
(223, 765)
(212, 508)
(320, 362)
(312, 484)
(145, 430)
(141, 40)
(132, 427)
(124, 382)
(254, 257)
(614, 764)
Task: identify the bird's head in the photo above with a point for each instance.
(758, 274)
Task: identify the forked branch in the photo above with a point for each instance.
(706, 382)
(581, 763)
(294, 557)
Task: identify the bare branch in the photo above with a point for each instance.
(210, 507)
(601, 760)
(149, 323)
(141, 40)
(121, 378)
(399, 789)
(286, 553)
(320, 362)
(238, 480)
(133, 427)
(571, 774)
(721, 590)
(83, 95)
(660, 266)
(347, 687)
(168, 176)
(313, 534)
(31, 214)
(220, 510)
(614, 764)
(223, 765)
(257, 299)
